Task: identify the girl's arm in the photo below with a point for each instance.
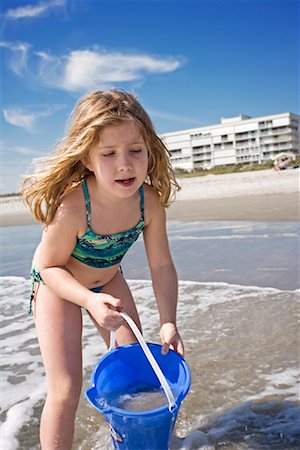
(163, 273)
(58, 242)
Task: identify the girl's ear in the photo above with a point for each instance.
(86, 162)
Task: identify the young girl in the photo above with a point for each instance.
(108, 181)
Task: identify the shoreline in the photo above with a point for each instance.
(259, 196)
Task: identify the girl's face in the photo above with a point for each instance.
(120, 159)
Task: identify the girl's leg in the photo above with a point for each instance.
(118, 288)
(59, 330)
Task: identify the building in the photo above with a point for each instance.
(235, 140)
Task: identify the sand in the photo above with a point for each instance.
(261, 195)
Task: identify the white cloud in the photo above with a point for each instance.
(82, 70)
(19, 55)
(32, 10)
(19, 118)
(192, 121)
(28, 120)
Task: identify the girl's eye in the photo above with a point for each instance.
(108, 154)
(137, 150)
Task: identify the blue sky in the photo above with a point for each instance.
(190, 62)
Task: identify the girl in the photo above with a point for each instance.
(108, 181)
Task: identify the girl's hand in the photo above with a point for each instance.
(104, 309)
(171, 339)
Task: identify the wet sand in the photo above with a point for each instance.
(272, 207)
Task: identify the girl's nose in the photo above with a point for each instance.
(124, 162)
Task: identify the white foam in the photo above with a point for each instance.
(18, 414)
(284, 382)
(23, 382)
(195, 440)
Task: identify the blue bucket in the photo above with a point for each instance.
(126, 370)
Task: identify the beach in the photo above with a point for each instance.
(264, 195)
(260, 195)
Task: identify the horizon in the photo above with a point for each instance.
(205, 60)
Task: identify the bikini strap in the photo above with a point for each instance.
(87, 202)
(142, 201)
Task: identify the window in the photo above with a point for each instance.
(265, 124)
(176, 151)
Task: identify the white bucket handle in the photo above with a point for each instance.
(151, 359)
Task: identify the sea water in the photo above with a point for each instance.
(242, 343)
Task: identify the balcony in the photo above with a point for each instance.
(203, 158)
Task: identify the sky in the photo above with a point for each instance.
(190, 62)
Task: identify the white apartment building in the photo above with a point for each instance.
(235, 140)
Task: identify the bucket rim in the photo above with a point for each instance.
(149, 412)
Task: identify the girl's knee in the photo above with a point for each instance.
(65, 391)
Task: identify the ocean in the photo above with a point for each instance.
(238, 314)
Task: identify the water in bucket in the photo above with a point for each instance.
(139, 401)
(124, 381)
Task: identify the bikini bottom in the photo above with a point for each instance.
(36, 280)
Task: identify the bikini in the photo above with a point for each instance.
(97, 250)
(105, 250)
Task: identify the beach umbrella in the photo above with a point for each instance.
(284, 156)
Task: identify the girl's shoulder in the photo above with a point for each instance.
(72, 206)
(150, 194)
(152, 204)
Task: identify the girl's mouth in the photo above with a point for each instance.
(127, 183)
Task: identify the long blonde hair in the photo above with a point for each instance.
(58, 173)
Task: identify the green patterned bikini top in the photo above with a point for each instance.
(100, 251)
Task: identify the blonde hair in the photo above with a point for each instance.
(58, 173)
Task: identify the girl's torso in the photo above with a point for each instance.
(96, 257)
